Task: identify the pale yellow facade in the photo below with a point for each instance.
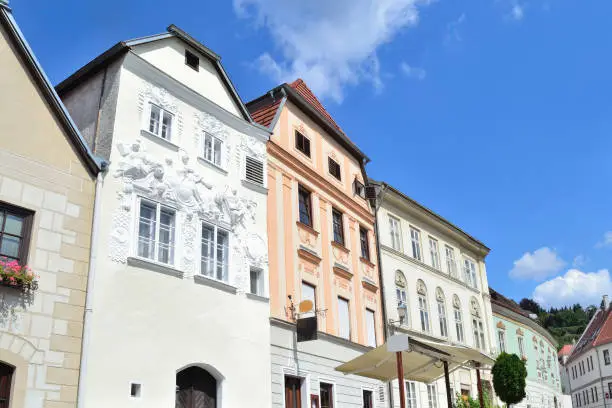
(41, 171)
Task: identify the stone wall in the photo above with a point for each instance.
(41, 335)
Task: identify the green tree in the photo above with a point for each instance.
(509, 378)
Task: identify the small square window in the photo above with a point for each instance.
(302, 143)
(192, 60)
(257, 283)
(334, 168)
(135, 390)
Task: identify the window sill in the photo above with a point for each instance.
(212, 165)
(366, 261)
(340, 247)
(258, 298)
(307, 228)
(254, 186)
(154, 266)
(217, 284)
(160, 141)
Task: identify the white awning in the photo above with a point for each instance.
(422, 362)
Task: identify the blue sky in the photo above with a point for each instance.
(494, 113)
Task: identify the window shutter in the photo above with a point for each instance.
(254, 171)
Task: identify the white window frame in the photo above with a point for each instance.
(432, 396)
(373, 391)
(478, 332)
(158, 208)
(261, 285)
(451, 261)
(340, 325)
(371, 341)
(216, 229)
(442, 318)
(521, 346)
(424, 313)
(415, 243)
(263, 170)
(459, 326)
(412, 397)
(395, 231)
(162, 113)
(501, 339)
(434, 253)
(211, 159)
(469, 271)
(334, 390)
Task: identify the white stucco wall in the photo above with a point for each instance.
(315, 362)
(150, 321)
(599, 378)
(169, 56)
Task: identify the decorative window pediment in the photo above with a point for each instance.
(520, 332)
(439, 294)
(501, 326)
(400, 279)
(456, 301)
(421, 288)
(474, 307)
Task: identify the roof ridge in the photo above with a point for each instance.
(305, 92)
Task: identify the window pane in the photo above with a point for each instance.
(14, 224)
(304, 204)
(344, 329)
(327, 395)
(217, 152)
(338, 227)
(308, 293)
(154, 120)
(222, 254)
(10, 246)
(208, 142)
(208, 255)
(146, 230)
(166, 125)
(371, 327)
(166, 236)
(256, 281)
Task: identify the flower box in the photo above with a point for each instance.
(17, 276)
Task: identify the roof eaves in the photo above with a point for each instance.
(93, 163)
(433, 214)
(314, 113)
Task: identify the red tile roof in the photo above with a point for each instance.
(264, 114)
(300, 86)
(565, 350)
(503, 301)
(598, 332)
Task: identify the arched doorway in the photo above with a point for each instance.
(6, 380)
(195, 388)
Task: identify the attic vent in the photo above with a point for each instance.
(370, 192)
(254, 171)
(192, 60)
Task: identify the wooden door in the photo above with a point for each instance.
(293, 392)
(196, 388)
(6, 379)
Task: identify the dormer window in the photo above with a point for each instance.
(192, 60)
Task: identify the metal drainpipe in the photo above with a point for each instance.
(378, 203)
(90, 289)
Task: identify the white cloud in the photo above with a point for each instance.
(453, 33)
(517, 12)
(606, 242)
(540, 264)
(329, 43)
(413, 72)
(574, 287)
(579, 261)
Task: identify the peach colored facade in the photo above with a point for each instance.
(300, 253)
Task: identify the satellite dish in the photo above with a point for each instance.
(306, 306)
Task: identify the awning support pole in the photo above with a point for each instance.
(479, 382)
(400, 379)
(449, 397)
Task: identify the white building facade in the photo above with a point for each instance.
(437, 273)
(178, 309)
(589, 366)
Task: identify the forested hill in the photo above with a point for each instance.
(565, 324)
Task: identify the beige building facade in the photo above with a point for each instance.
(47, 187)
